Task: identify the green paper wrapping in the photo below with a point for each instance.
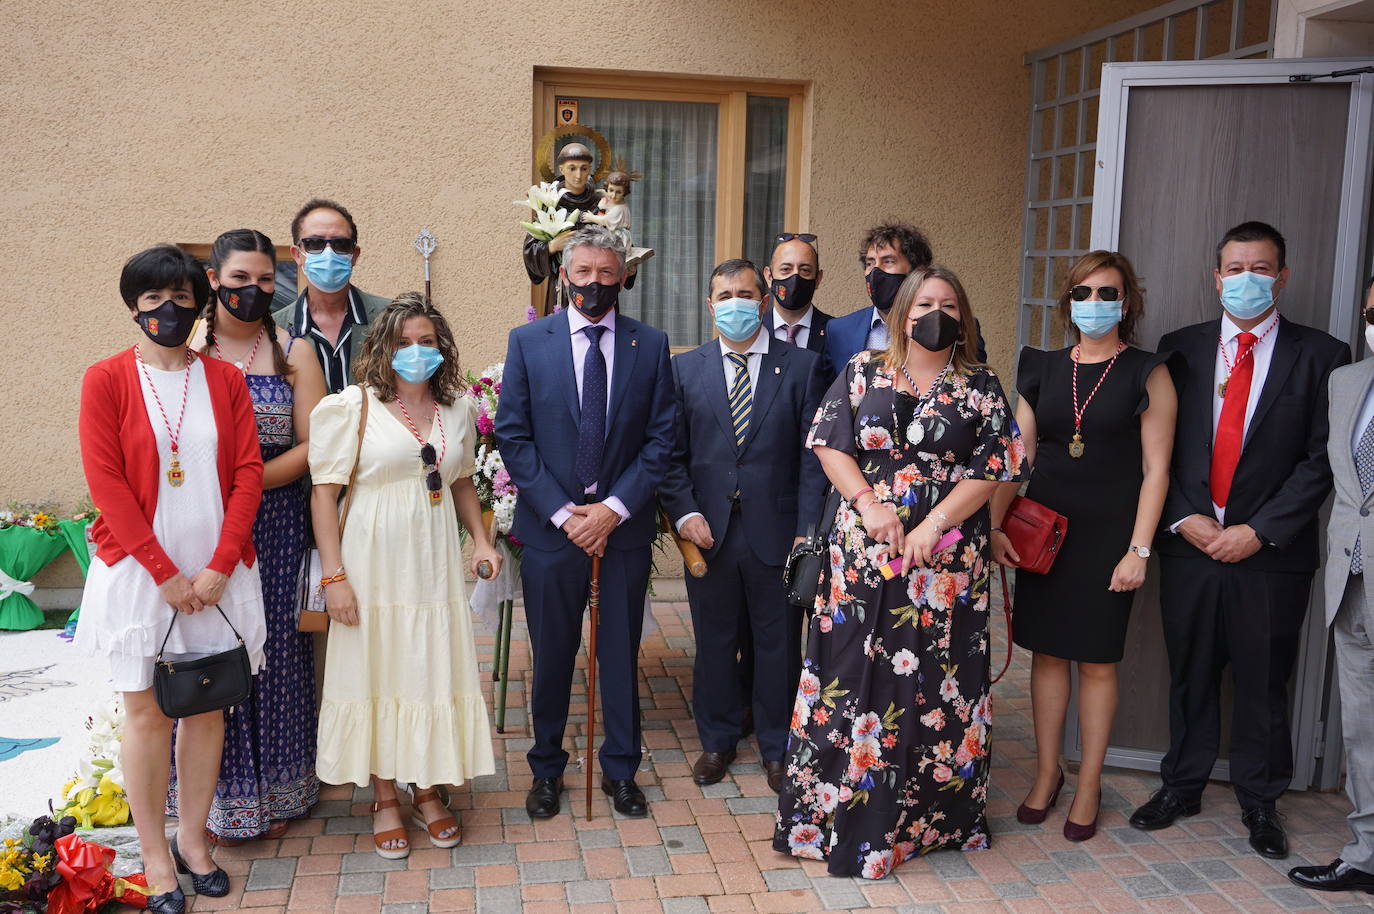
(73, 532)
(24, 552)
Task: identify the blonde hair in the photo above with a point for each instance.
(372, 366)
(965, 348)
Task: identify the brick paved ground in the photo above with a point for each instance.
(708, 849)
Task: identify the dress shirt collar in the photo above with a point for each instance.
(1229, 330)
(577, 321)
(803, 321)
(355, 313)
(759, 346)
(875, 317)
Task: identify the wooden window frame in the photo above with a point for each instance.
(732, 97)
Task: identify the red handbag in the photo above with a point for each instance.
(1036, 533)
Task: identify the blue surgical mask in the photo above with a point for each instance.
(328, 271)
(1095, 319)
(1247, 295)
(737, 319)
(416, 363)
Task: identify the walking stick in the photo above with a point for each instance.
(594, 611)
(425, 242)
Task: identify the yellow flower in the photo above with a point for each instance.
(10, 880)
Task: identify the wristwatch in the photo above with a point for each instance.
(1142, 551)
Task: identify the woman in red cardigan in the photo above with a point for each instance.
(170, 449)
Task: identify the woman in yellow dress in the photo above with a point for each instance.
(402, 700)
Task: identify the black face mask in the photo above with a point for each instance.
(167, 324)
(793, 293)
(247, 303)
(882, 287)
(935, 330)
(595, 298)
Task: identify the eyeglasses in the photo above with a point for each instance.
(433, 481)
(794, 236)
(1369, 316)
(314, 245)
(1106, 293)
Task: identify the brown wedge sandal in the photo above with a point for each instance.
(392, 835)
(439, 826)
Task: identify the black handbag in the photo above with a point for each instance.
(184, 688)
(808, 564)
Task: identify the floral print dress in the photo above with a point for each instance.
(888, 755)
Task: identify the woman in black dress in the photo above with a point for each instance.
(1098, 421)
(888, 755)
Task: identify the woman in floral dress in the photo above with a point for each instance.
(888, 756)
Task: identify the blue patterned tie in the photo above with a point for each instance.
(591, 430)
(741, 397)
(1364, 468)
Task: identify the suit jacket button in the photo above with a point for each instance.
(1347, 552)
(1364, 512)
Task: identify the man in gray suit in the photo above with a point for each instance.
(1350, 611)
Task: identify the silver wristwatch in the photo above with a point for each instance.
(1142, 551)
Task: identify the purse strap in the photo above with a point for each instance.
(1006, 609)
(353, 473)
(176, 613)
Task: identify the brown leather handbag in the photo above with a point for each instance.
(1036, 533)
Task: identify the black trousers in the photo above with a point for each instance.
(556, 585)
(1217, 615)
(740, 591)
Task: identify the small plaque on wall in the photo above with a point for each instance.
(565, 111)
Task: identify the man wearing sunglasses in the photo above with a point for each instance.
(794, 274)
(1350, 611)
(324, 244)
(1249, 474)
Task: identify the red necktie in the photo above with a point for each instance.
(1231, 427)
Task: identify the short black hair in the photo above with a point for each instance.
(1255, 231)
(907, 238)
(165, 266)
(321, 203)
(733, 267)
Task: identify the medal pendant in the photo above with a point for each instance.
(435, 498)
(174, 475)
(1076, 446)
(1221, 388)
(915, 432)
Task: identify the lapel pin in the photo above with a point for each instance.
(777, 370)
(634, 342)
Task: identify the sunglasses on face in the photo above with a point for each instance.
(1369, 316)
(315, 245)
(794, 236)
(433, 482)
(1106, 293)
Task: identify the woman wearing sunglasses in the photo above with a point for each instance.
(1098, 422)
(402, 700)
(171, 457)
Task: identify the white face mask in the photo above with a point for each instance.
(1369, 336)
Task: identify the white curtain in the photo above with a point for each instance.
(765, 173)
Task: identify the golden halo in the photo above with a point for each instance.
(543, 150)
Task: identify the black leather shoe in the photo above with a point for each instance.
(214, 884)
(626, 797)
(1266, 832)
(173, 902)
(1338, 877)
(777, 773)
(543, 802)
(711, 767)
(1163, 809)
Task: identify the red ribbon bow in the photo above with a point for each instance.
(87, 882)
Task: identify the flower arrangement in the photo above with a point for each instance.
(495, 490)
(36, 517)
(49, 867)
(550, 220)
(95, 796)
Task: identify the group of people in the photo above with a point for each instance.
(234, 435)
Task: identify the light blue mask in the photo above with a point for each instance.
(417, 363)
(1095, 319)
(737, 319)
(1247, 295)
(328, 271)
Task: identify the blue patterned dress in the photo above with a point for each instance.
(267, 772)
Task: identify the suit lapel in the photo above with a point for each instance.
(1286, 352)
(1201, 356)
(771, 370)
(815, 340)
(563, 355)
(713, 384)
(1345, 407)
(626, 348)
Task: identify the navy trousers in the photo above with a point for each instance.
(740, 591)
(556, 585)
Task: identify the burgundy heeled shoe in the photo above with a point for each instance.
(1075, 832)
(1029, 815)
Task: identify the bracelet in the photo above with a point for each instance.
(996, 530)
(333, 578)
(943, 521)
(861, 493)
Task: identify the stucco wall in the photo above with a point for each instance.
(128, 124)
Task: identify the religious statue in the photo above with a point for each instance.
(614, 214)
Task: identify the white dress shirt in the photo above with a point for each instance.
(803, 325)
(754, 363)
(877, 329)
(581, 343)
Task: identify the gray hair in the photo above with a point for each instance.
(596, 236)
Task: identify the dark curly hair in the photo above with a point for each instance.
(372, 366)
(908, 239)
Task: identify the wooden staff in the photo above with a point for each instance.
(691, 555)
(594, 611)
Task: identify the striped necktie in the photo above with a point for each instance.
(741, 397)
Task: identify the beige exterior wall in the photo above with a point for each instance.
(129, 124)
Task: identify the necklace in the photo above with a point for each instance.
(1076, 445)
(247, 363)
(1226, 360)
(175, 476)
(436, 495)
(915, 431)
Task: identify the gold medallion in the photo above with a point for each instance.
(1221, 388)
(1076, 446)
(174, 475)
(436, 497)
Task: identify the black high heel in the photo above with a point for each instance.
(173, 902)
(212, 885)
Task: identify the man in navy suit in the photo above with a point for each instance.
(585, 427)
(743, 487)
(887, 253)
(793, 275)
